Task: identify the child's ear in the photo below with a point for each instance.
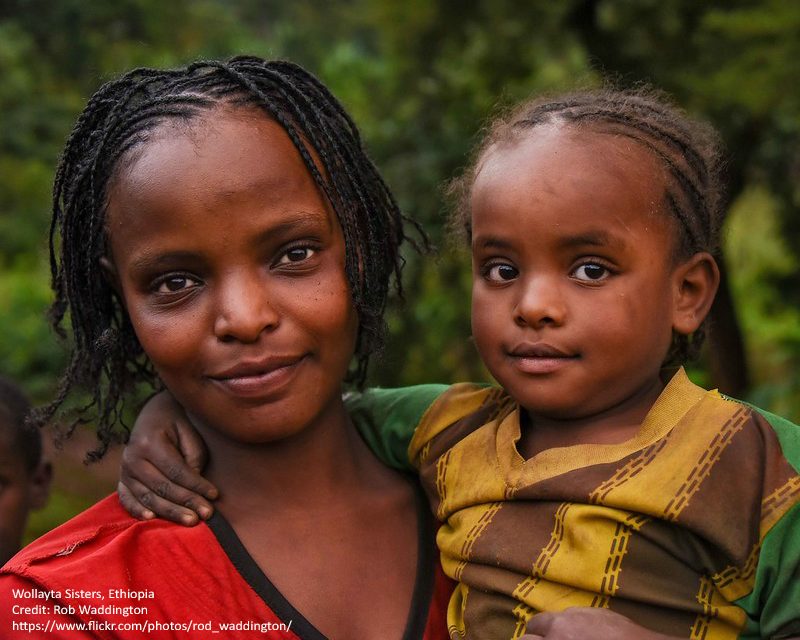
(695, 283)
(40, 485)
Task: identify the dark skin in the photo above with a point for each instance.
(231, 268)
(577, 289)
(22, 490)
(568, 267)
(580, 623)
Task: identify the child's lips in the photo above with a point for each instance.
(540, 358)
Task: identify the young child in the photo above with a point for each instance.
(24, 474)
(598, 475)
(221, 227)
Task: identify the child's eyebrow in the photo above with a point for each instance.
(597, 238)
(591, 239)
(490, 242)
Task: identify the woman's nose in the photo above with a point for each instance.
(244, 309)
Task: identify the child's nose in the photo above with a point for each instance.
(540, 303)
(244, 309)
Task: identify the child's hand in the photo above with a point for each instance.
(160, 466)
(579, 623)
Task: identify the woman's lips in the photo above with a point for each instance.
(258, 379)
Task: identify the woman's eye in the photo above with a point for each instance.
(173, 284)
(501, 273)
(296, 255)
(591, 272)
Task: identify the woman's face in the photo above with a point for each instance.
(230, 264)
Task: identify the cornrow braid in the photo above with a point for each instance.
(688, 150)
(120, 117)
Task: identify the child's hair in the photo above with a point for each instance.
(119, 117)
(687, 149)
(14, 409)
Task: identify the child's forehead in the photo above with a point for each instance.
(561, 158)
(569, 178)
(571, 149)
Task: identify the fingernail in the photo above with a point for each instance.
(148, 515)
(188, 519)
(205, 513)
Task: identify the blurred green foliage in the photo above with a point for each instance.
(421, 78)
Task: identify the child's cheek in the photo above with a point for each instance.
(487, 326)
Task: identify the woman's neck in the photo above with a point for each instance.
(324, 464)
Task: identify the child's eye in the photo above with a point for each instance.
(175, 283)
(591, 272)
(296, 254)
(500, 273)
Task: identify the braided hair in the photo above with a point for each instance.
(688, 150)
(107, 358)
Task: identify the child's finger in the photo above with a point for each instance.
(540, 624)
(137, 498)
(132, 505)
(185, 484)
(160, 465)
(191, 445)
(146, 478)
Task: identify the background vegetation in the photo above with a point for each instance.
(421, 77)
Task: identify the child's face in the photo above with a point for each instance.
(21, 490)
(573, 287)
(231, 267)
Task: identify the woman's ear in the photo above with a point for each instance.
(111, 275)
(695, 283)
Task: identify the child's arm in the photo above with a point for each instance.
(160, 470)
(161, 463)
(578, 623)
(386, 419)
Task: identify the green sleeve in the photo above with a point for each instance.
(773, 606)
(386, 419)
(788, 435)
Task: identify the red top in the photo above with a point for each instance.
(104, 574)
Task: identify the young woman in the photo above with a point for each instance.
(220, 229)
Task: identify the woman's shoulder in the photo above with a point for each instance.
(106, 566)
(99, 545)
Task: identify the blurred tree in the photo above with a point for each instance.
(420, 77)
